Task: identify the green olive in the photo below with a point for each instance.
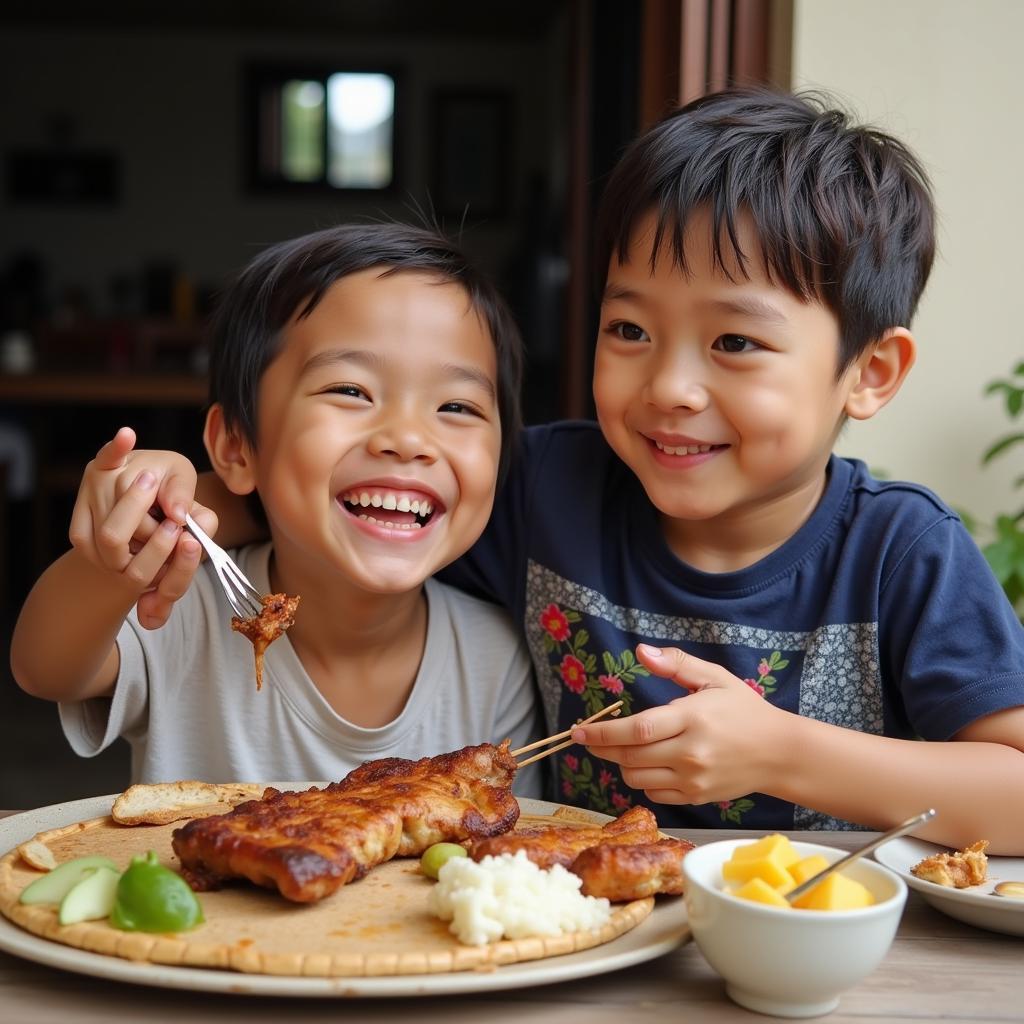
(436, 856)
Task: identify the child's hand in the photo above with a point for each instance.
(716, 744)
(114, 528)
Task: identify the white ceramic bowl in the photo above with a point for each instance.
(787, 962)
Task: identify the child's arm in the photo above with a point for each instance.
(63, 646)
(725, 740)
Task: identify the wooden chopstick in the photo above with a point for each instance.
(611, 709)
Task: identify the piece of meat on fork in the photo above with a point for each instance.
(308, 844)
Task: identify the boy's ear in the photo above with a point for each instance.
(879, 373)
(230, 456)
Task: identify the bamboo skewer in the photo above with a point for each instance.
(612, 709)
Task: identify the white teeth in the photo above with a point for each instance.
(419, 507)
(392, 526)
(684, 449)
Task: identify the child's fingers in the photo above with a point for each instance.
(155, 606)
(206, 518)
(144, 567)
(125, 522)
(113, 453)
(177, 495)
(650, 726)
(682, 668)
(182, 568)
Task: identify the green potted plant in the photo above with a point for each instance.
(1004, 548)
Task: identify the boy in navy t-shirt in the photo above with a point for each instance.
(784, 629)
(760, 261)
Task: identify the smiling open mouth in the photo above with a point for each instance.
(389, 509)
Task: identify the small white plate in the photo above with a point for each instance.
(976, 905)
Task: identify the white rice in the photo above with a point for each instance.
(509, 896)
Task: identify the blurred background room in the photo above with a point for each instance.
(149, 150)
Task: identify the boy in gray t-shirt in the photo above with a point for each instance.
(364, 385)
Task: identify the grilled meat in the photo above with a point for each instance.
(560, 844)
(276, 615)
(632, 872)
(308, 844)
(623, 860)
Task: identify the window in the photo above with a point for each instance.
(316, 129)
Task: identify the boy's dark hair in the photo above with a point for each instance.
(843, 213)
(291, 278)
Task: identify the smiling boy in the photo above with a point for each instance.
(364, 383)
(760, 260)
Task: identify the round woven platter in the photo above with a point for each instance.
(374, 927)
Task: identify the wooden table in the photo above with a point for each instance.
(936, 969)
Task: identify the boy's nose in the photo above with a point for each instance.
(403, 438)
(674, 386)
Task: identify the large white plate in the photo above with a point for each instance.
(664, 930)
(976, 905)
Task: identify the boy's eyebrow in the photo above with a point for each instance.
(471, 375)
(752, 306)
(371, 360)
(742, 305)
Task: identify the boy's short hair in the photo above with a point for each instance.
(843, 213)
(292, 277)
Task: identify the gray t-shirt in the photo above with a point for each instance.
(186, 698)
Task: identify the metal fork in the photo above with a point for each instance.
(243, 597)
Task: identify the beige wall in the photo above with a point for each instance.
(944, 75)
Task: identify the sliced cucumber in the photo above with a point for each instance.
(92, 898)
(56, 884)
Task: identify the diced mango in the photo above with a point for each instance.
(776, 846)
(837, 892)
(760, 891)
(767, 859)
(804, 869)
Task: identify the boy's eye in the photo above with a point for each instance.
(630, 332)
(734, 343)
(349, 390)
(461, 407)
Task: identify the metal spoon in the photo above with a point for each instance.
(1011, 890)
(893, 833)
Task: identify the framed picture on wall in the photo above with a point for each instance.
(472, 148)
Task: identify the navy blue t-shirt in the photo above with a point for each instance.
(880, 614)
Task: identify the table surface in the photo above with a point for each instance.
(936, 968)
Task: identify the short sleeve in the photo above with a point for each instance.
(92, 725)
(947, 633)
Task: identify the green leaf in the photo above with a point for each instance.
(610, 667)
(570, 615)
(549, 643)
(767, 680)
(1014, 399)
(1001, 446)
(580, 639)
(628, 658)
(782, 663)
(587, 769)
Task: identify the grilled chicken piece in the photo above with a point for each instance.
(308, 844)
(632, 872)
(276, 615)
(561, 844)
